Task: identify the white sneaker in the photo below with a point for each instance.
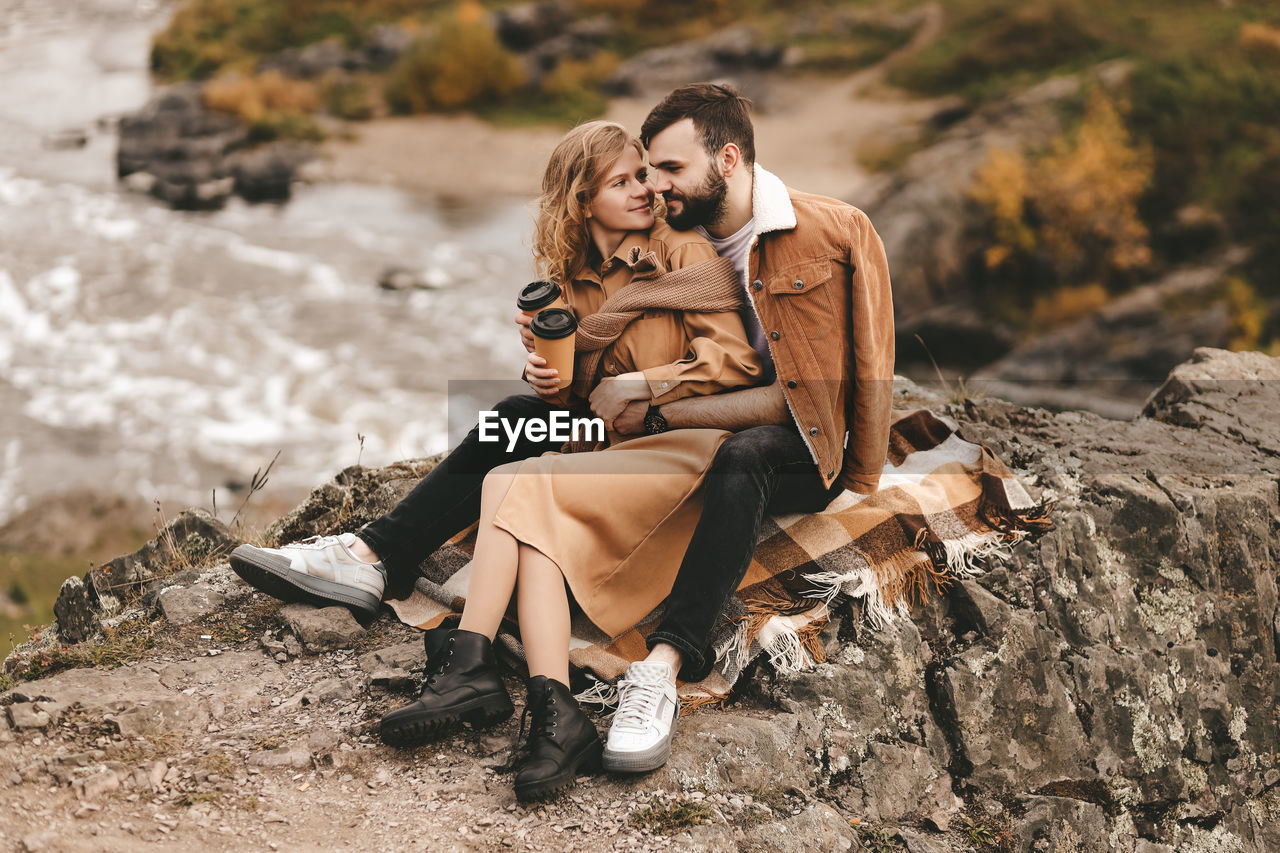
(321, 570)
(640, 737)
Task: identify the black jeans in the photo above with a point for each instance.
(759, 470)
(448, 499)
(762, 469)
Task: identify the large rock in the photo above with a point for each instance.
(177, 150)
(267, 173)
(1005, 695)
(194, 537)
(818, 827)
(736, 53)
(182, 605)
(76, 611)
(321, 628)
(734, 752)
(1120, 351)
(1111, 684)
(182, 146)
(1228, 393)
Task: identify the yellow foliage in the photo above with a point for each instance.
(572, 75)
(1066, 304)
(1088, 192)
(1260, 41)
(470, 13)
(252, 98)
(1001, 187)
(1248, 315)
(1078, 202)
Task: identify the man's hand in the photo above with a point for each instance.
(544, 380)
(613, 394)
(631, 421)
(526, 337)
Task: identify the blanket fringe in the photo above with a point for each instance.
(1019, 523)
(792, 649)
(701, 701)
(736, 650)
(863, 584)
(965, 555)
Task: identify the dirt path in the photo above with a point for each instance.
(810, 136)
(231, 734)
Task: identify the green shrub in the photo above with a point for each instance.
(207, 36)
(350, 99)
(1214, 125)
(987, 45)
(285, 124)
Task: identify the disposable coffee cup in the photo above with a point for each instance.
(553, 330)
(539, 295)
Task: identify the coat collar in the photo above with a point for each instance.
(770, 202)
(633, 249)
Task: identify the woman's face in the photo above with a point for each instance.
(624, 201)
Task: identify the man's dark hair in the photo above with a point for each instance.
(720, 115)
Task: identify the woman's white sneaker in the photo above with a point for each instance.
(321, 570)
(640, 737)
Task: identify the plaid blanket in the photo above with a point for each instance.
(943, 506)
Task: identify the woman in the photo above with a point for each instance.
(585, 520)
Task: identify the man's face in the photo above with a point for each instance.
(690, 183)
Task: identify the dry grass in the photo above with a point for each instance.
(671, 817)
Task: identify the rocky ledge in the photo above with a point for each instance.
(1110, 685)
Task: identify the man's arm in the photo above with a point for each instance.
(731, 410)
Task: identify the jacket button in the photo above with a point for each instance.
(757, 284)
(791, 383)
(813, 430)
(774, 335)
(830, 474)
(799, 284)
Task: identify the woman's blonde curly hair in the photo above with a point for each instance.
(569, 183)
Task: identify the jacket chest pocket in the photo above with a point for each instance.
(804, 299)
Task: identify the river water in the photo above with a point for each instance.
(162, 354)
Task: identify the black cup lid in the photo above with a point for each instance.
(538, 294)
(552, 324)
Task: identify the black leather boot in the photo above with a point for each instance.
(464, 685)
(562, 741)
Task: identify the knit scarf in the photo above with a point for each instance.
(709, 287)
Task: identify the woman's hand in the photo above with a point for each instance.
(613, 394)
(526, 336)
(544, 380)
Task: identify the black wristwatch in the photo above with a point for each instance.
(654, 422)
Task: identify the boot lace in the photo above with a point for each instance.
(540, 731)
(637, 704)
(437, 667)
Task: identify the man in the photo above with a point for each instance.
(820, 315)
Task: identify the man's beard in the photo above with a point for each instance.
(705, 206)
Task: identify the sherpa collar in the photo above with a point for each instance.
(770, 203)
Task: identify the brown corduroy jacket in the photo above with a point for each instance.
(819, 281)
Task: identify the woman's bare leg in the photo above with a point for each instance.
(543, 609)
(493, 566)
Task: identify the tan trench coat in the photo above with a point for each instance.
(617, 521)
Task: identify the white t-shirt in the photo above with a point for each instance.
(735, 247)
